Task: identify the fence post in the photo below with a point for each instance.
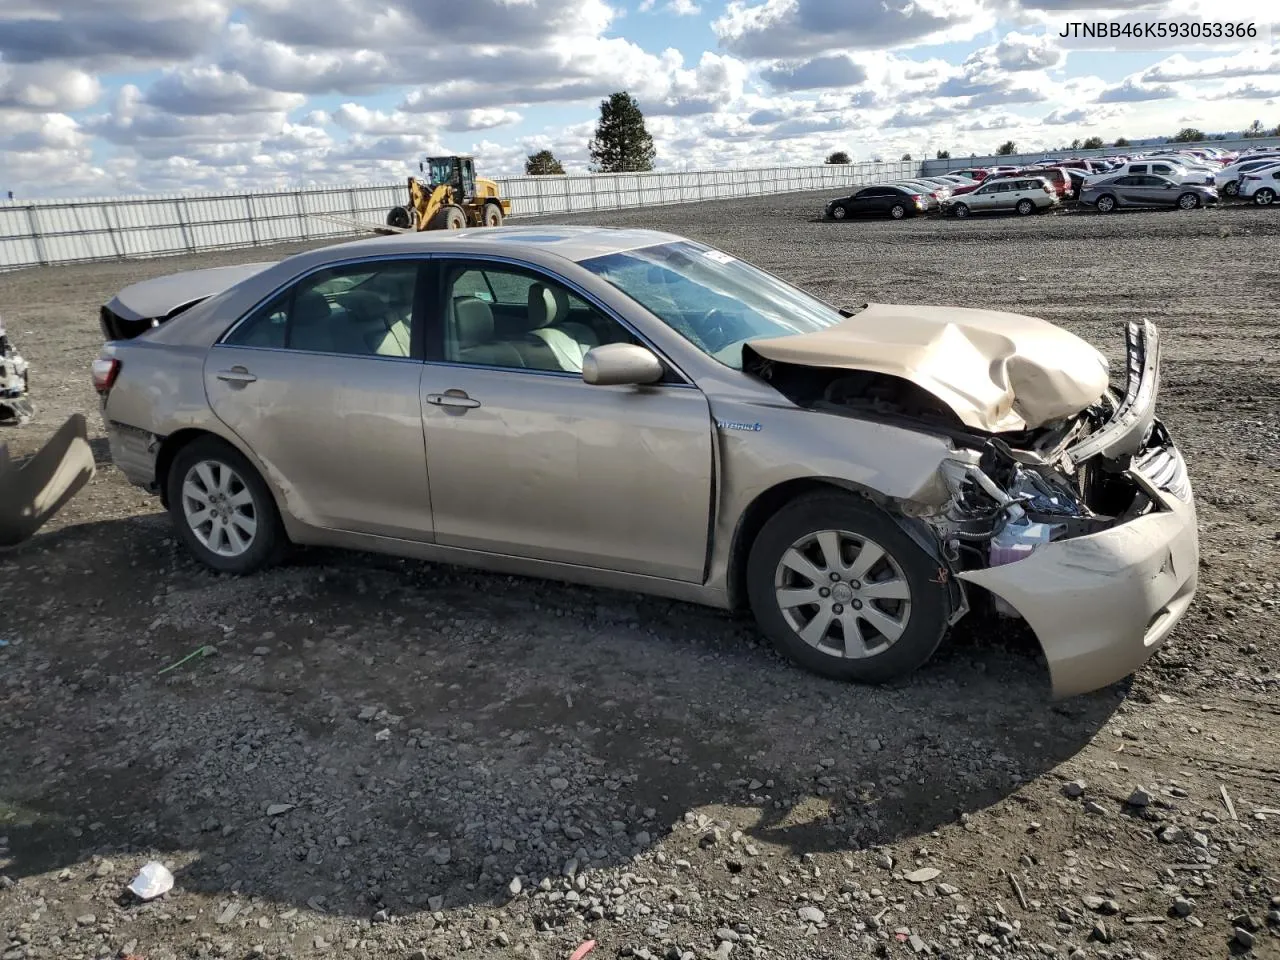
(302, 214)
(351, 203)
(184, 219)
(253, 225)
(595, 200)
(568, 196)
(36, 236)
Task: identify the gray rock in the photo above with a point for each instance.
(86, 920)
(884, 862)
(104, 869)
(515, 886)
(1094, 807)
(918, 945)
(275, 809)
(1273, 917)
(1139, 798)
(1074, 789)
(1100, 933)
(1244, 938)
(1183, 907)
(559, 783)
(923, 875)
(574, 833)
(1171, 834)
(435, 904)
(811, 915)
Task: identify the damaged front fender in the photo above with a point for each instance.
(31, 493)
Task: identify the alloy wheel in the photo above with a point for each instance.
(843, 594)
(219, 508)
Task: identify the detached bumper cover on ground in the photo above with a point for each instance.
(32, 493)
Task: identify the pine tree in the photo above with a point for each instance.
(944, 154)
(542, 163)
(1007, 149)
(621, 144)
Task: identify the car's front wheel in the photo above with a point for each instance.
(961, 210)
(223, 511)
(842, 590)
(1188, 201)
(839, 212)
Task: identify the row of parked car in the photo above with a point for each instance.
(1183, 179)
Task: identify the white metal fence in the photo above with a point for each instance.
(43, 232)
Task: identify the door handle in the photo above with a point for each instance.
(236, 375)
(452, 400)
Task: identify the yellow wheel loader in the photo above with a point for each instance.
(449, 197)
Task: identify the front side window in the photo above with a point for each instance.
(503, 316)
(361, 309)
(712, 299)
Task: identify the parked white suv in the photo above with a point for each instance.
(1163, 168)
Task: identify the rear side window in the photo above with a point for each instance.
(1138, 168)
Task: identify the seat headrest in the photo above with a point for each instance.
(547, 305)
(310, 308)
(473, 322)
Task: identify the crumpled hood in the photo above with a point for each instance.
(997, 371)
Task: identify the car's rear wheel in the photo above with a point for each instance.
(1188, 201)
(962, 210)
(842, 590)
(898, 211)
(1264, 197)
(1025, 207)
(1106, 203)
(223, 510)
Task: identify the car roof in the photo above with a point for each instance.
(572, 242)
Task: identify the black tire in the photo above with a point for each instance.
(898, 211)
(1232, 188)
(1265, 197)
(1184, 205)
(926, 622)
(492, 215)
(269, 542)
(449, 218)
(1025, 207)
(401, 217)
(1106, 203)
(961, 210)
(839, 212)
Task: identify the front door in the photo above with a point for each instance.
(321, 384)
(526, 459)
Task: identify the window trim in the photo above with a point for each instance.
(421, 287)
(433, 348)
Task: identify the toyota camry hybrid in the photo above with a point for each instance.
(633, 409)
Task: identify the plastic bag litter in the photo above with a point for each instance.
(152, 881)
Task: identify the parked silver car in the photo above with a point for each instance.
(1145, 190)
(1025, 195)
(633, 409)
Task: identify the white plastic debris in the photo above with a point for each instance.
(153, 880)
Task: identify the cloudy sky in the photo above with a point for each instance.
(102, 97)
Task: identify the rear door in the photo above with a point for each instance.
(321, 382)
(1129, 190)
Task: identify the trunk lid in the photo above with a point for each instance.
(149, 303)
(998, 372)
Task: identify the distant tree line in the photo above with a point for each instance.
(622, 144)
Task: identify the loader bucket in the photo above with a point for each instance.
(32, 493)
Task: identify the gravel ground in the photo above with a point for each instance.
(395, 759)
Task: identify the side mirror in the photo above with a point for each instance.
(1169, 186)
(612, 364)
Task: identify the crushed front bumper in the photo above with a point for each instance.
(1101, 604)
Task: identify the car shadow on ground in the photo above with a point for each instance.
(374, 733)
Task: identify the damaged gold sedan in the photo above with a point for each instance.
(637, 410)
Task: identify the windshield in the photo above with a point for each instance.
(713, 300)
(439, 170)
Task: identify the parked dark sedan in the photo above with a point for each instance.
(885, 200)
(1145, 190)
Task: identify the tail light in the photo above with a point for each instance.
(917, 198)
(105, 371)
(1250, 176)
